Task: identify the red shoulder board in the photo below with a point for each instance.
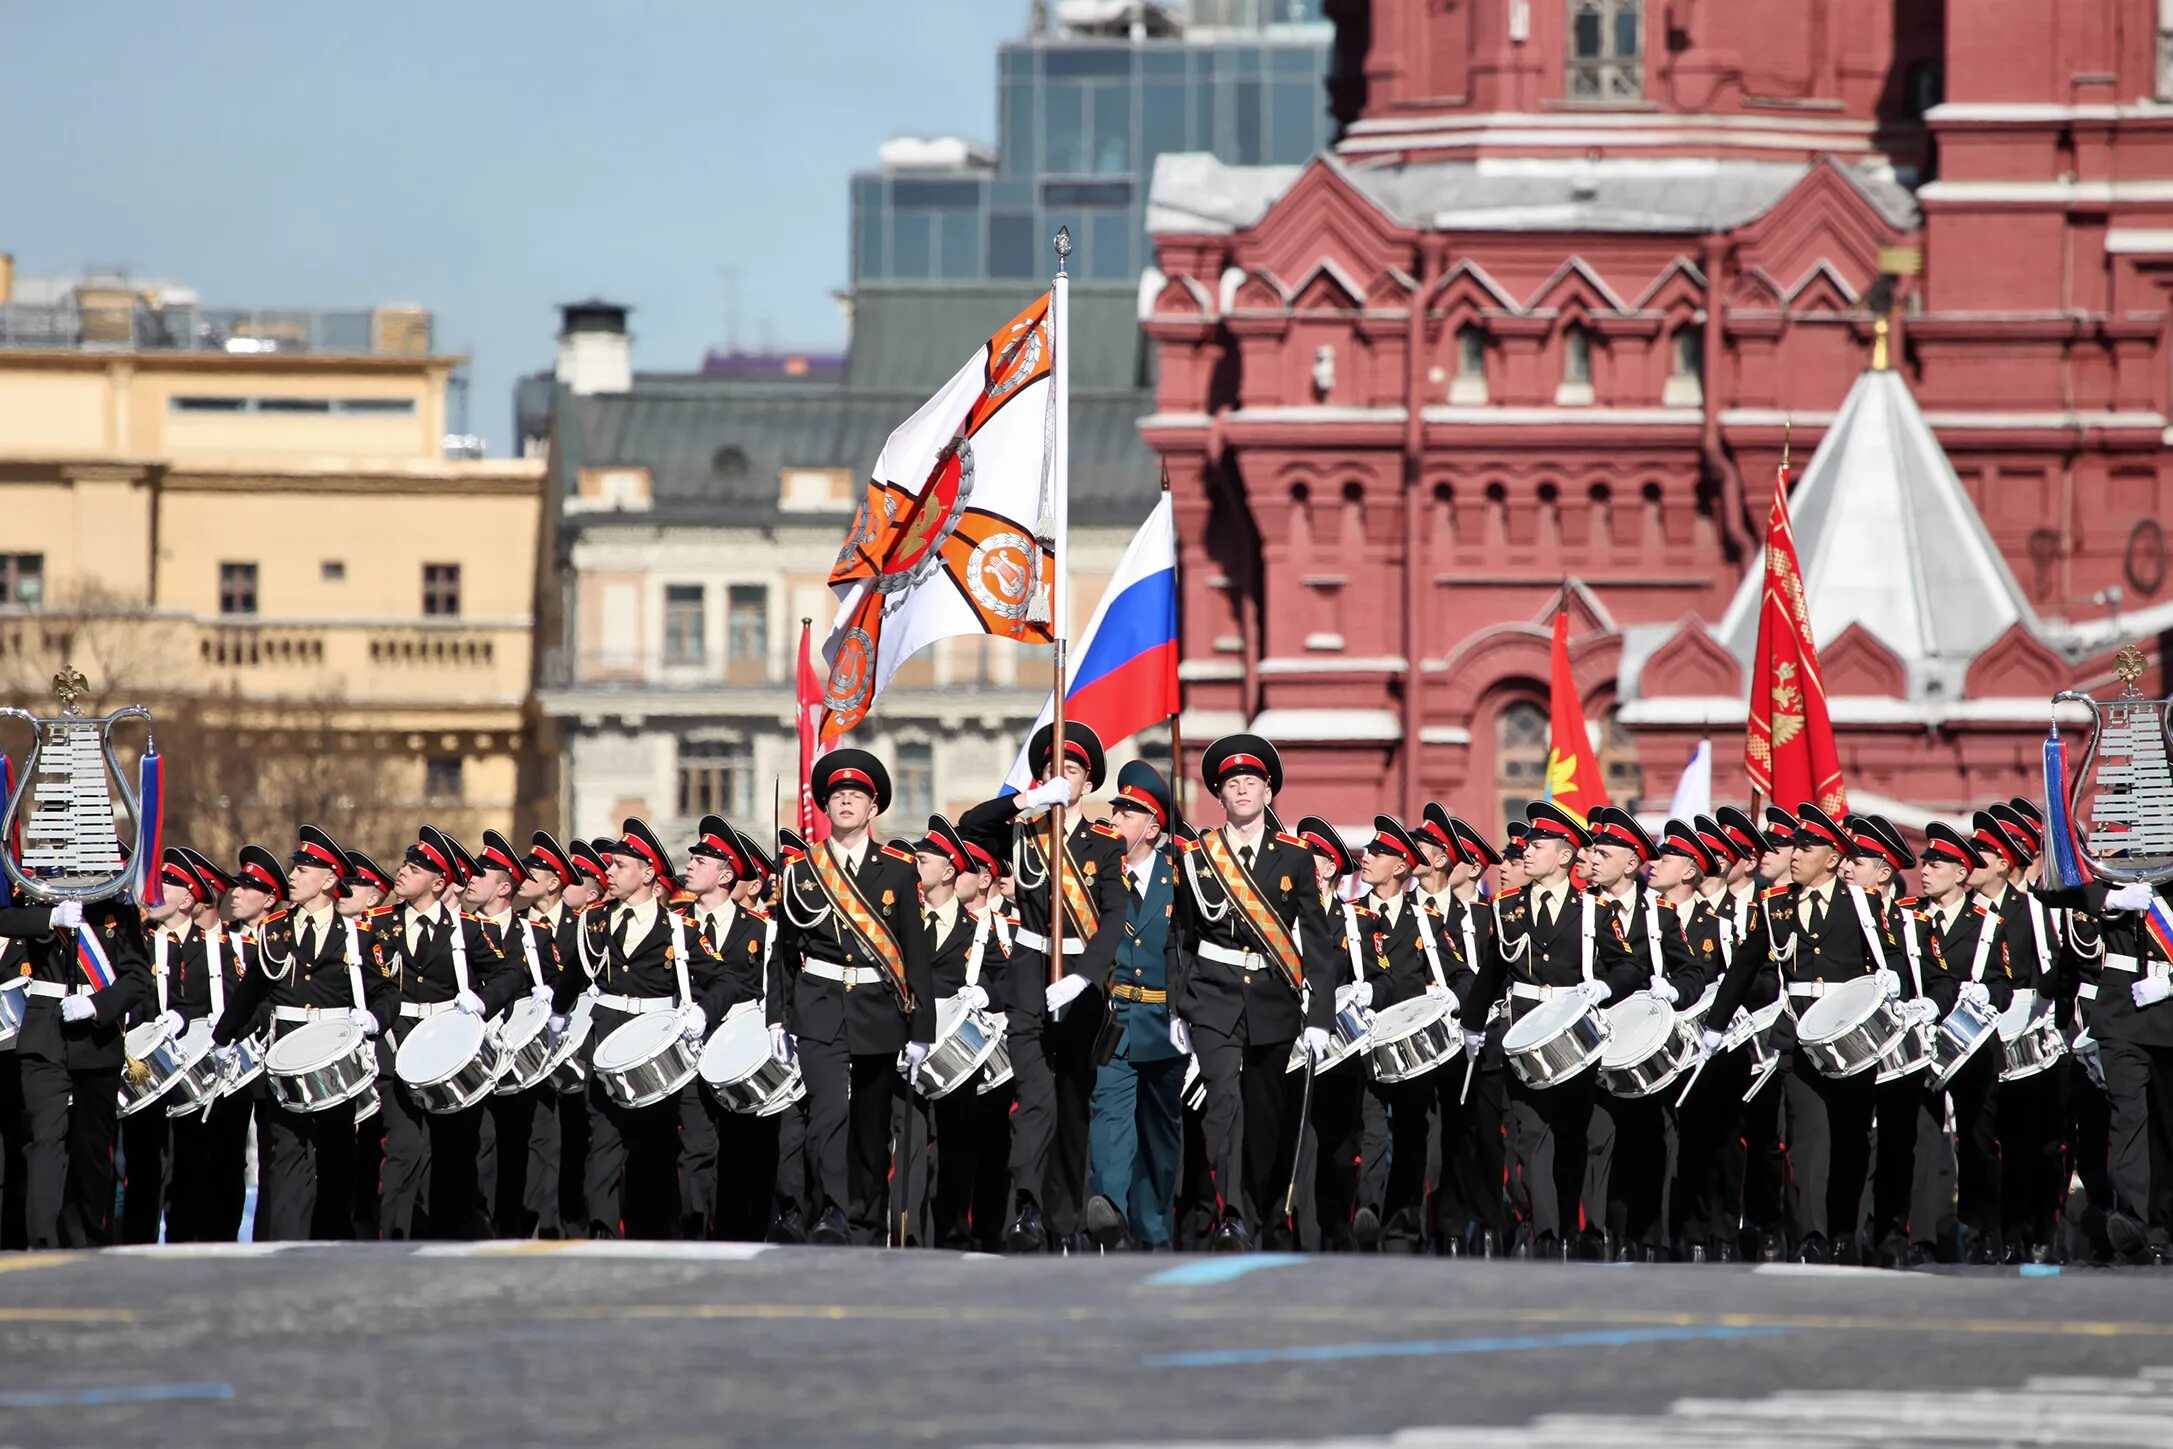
(896, 854)
(375, 911)
(1907, 903)
(759, 915)
(682, 898)
(1770, 892)
(1288, 839)
(1186, 845)
(1978, 907)
(1664, 901)
(1103, 827)
(279, 915)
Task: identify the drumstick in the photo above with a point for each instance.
(1305, 1110)
(1694, 1074)
(1471, 1065)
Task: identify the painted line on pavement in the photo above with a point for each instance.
(1444, 1347)
(28, 1261)
(1222, 1270)
(67, 1315)
(596, 1248)
(130, 1394)
(200, 1250)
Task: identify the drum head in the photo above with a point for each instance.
(1394, 1023)
(524, 1023)
(635, 1041)
(196, 1039)
(1703, 1006)
(1543, 1022)
(312, 1045)
(438, 1048)
(1839, 1009)
(2015, 1020)
(1636, 1027)
(950, 1011)
(143, 1040)
(737, 1048)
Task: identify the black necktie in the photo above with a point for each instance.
(309, 940)
(1244, 853)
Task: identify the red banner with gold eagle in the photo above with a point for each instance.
(1788, 749)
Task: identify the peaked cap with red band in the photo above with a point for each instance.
(1993, 835)
(716, 839)
(1866, 838)
(586, 861)
(1513, 834)
(754, 855)
(1390, 838)
(545, 853)
(363, 871)
(1080, 743)
(1435, 825)
(1323, 839)
(2020, 826)
(1242, 755)
(1472, 845)
(433, 853)
(849, 768)
(943, 839)
(639, 842)
(498, 854)
(174, 866)
(1749, 841)
(1613, 825)
(1545, 820)
(464, 866)
(1815, 827)
(1943, 842)
(1677, 838)
(1141, 787)
(218, 879)
(314, 847)
(1718, 843)
(259, 870)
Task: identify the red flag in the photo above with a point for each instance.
(814, 825)
(1573, 766)
(1788, 750)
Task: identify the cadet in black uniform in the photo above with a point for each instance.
(738, 933)
(1053, 1024)
(1249, 905)
(1471, 1204)
(1706, 1204)
(520, 1167)
(1553, 940)
(2034, 1111)
(365, 888)
(69, 1053)
(148, 1136)
(849, 988)
(1339, 1094)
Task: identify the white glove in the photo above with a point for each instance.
(1975, 991)
(1888, 982)
(1712, 1041)
(1317, 1043)
(173, 1023)
(468, 1002)
(77, 1008)
(540, 993)
(555, 1028)
(1920, 1010)
(1441, 994)
(973, 998)
(2149, 991)
(2135, 897)
(781, 1046)
(1063, 991)
(362, 1019)
(67, 914)
(1040, 797)
(1595, 992)
(229, 1059)
(2086, 1052)
(1474, 1042)
(1357, 993)
(916, 1052)
(1662, 990)
(694, 1024)
(1180, 1035)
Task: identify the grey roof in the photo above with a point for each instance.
(1194, 192)
(1889, 539)
(912, 338)
(714, 447)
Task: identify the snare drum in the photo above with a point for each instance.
(1411, 1038)
(1347, 1036)
(158, 1062)
(450, 1062)
(14, 997)
(646, 1059)
(1967, 1030)
(1848, 1029)
(1648, 1046)
(200, 1082)
(738, 1066)
(527, 1045)
(1555, 1040)
(966, 1038)
(321, 1064)
(1913, 1053)
(568, 1068)
(250, 1051)
(998, 1071)
(2029, 1034)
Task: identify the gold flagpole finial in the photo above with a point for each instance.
(1788, 427)
(1879, 329)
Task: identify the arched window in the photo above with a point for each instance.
(1576, 388)
(1606, 50)
(1685, 386)
(1468, 387)
(1520, 758)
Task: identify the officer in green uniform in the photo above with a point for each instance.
(1137, 1133)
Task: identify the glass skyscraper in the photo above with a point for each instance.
(1081, 119)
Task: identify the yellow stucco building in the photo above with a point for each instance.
(252, 522)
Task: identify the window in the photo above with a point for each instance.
(716, 779)
(1685, 386)
(1606, 43)
(22, 579)
(746, 631)
(441, 591)
(916, 781)
(1520, 758)
(1576, 385)
(683, 607)
(322, 406)
(1468, 387)
(441, 780)
(237, 588)
(334, 570)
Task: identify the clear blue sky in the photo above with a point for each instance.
(486, 158)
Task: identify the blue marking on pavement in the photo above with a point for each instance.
(1441, 1347)
(1222, 1270)
(249, 1216)
(2040, 1270)
(93, 1398)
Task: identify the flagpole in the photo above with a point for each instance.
(1176, 719)
(1053, 539)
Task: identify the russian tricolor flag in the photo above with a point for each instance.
(90, 954)
(1124, 671)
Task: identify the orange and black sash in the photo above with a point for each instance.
(1078, 899)
(1245, 892)
(851, 907)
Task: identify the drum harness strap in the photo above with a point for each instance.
(158, 966)
(1417, 903)
(2042, 928)
(354, 962)
(1916, 960)
(679, 956)
(1351, 934)
(1652, 937)
(528, 949)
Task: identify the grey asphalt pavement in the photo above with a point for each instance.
(667, 1344)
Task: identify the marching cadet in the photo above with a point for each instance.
(1470, 1206)
(520, 1171)
(147, 1136)
(256, 897)
(1960, 957)
(849, 989)
(1706, 1203)
(1875, 856)
(442, 962)
(2033, 1111)
(1413, 955)
(639, 954)
(1054, 1019)
(1753, 983)
(1650, 918)
(789, 1180)
(1552, 943)
(547, 878)
(305, 961)
(365, 888)
(966, 945)
(1251, 901)
(738, 934)
(1340, 1097)
(83, 985)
